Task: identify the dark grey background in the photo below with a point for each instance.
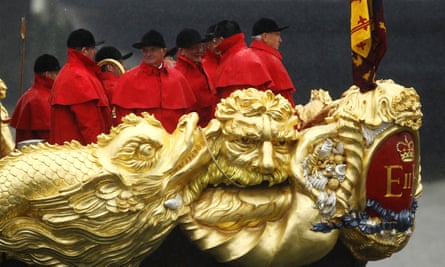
(316, 47)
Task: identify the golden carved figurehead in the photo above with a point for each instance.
(258, 129)
(249, 188)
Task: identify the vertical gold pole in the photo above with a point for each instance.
(22, 53)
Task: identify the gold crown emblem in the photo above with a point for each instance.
(406, 150)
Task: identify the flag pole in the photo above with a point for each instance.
(22, 52)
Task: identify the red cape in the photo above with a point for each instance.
(79, 106)
(210, 63)
(199, 81)
(272, 59)
(109, 81)
(32, 109)
(145, 87)
(239, 67)
(78, 82)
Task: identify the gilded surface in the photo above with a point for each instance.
(90, 205)
(6, 141)
(263, 184)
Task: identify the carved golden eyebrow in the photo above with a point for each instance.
(239, 128)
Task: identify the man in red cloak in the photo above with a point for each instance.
(266, 36)
(79, 106)
(31, 115)
(111, 63)
(211, 57)
(153, 87)
(189, 58)
(239, 67)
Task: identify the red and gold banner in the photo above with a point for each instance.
(360, 28)
(368, 41)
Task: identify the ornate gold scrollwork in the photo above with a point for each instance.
(250, 188)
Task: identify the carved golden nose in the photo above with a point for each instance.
(267, 162)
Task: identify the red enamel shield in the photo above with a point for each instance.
(393, 172)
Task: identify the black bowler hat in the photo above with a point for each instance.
(110, 52)
(210, 33)
(151, 38)
(46, 62)
(266, 25)
(82, 38)
(188, 37)
(227, 28)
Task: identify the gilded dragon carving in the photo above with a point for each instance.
(254, 188)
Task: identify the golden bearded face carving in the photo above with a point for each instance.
(257, 138)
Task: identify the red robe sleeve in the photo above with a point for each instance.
(90, 125)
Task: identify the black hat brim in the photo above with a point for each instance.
(279, 29)
(124, 57)
(193, 43)
(138, 45)
(282, 28)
